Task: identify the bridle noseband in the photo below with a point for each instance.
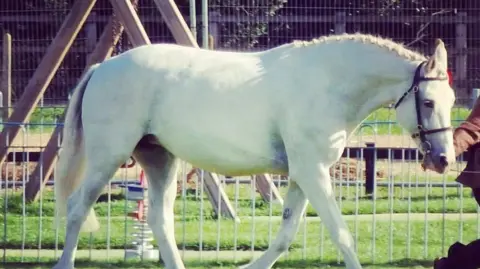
(422, 132)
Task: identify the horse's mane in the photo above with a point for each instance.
(383, 43)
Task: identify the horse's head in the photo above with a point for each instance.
(424, 111)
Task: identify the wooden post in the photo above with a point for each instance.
(370, 156)
(461, 46)
(103, 50)
(211, 42)
(175, 22)
(6, 87)
(134, 28)
(45, 72)
(267, 189)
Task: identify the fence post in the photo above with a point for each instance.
(213, 29)
(473, 97)
(340, 22)
(6, 85)
(91, 32)
(370, 156)
(461, 46)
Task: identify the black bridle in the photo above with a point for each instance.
(422, 132)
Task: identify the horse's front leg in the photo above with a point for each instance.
(309, 168)
(293, 209)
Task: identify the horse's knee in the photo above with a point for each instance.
(79, 203)
(155, 220)
(158, 225)
(152, 218)
(72, 203)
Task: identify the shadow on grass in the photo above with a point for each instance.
(403, 263)
(113, 197)
(431, 198)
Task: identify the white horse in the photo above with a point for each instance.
(287, 110)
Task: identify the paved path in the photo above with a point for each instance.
(117, 254)
(379, 217)
(362, 217)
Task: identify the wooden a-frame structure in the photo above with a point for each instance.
(124, 18)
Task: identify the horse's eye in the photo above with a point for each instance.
(429, 103)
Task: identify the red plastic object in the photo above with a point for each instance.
(450, 77)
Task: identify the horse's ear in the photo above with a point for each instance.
(439, 58)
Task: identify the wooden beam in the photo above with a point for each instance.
(133, 26)
(217, 196)
(45, 72)
(6, 86)
(267, 189)
(176, 23)
(103, 50)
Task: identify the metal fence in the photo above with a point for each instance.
(411, 217)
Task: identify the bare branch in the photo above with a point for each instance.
(420, 33)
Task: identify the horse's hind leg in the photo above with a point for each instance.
(103, 158)
(293, 209)
(160, 167)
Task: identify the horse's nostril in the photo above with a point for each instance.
(443, 160)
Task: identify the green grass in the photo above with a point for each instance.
(32, 231)
(43, 119)
(46, 114)
(397, 200)
(239, 236)
(386, 235)
(400, 200)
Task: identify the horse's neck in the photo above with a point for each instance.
(359, 78)
(374, 82)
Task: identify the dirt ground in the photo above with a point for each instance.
(346, 168)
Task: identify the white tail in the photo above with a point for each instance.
(71, 163)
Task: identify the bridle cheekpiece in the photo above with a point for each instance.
(415, 88)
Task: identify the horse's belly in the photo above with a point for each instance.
(229, 155)
(230, 163)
